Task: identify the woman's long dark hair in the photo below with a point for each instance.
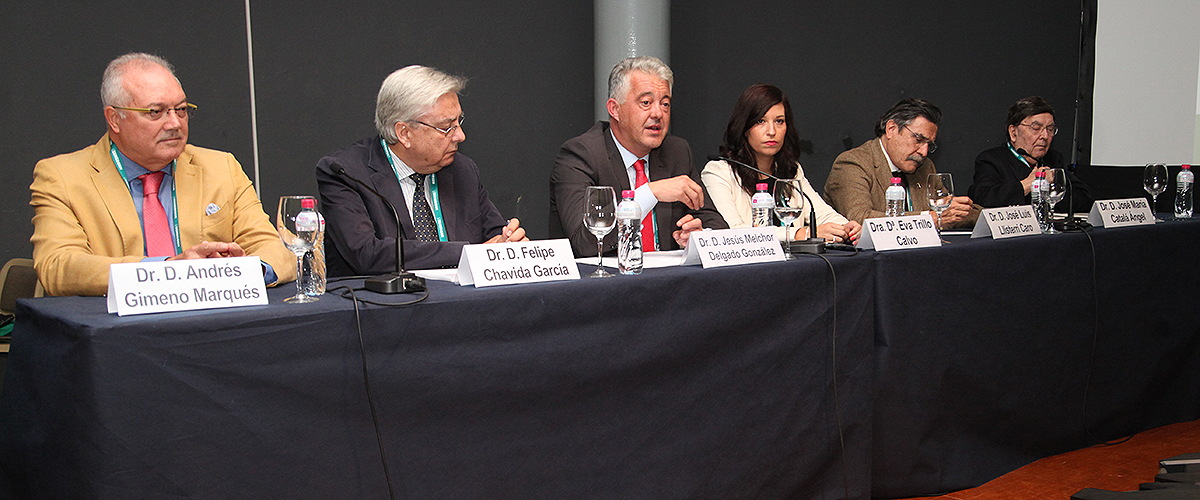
(751, 106)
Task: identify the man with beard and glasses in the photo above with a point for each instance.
(1004, 174)
(633, 151)
(904, 138)
(143, 193)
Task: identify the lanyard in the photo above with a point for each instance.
(434, 202)
(112, 150)
(1019, 157)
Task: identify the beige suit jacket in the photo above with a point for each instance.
(860, 176)
(84, 217)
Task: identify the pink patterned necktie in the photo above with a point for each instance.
(154, 219)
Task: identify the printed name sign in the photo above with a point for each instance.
(518, 262)
(185, 285)
(1006, 222)
(733, 247)
(892, 233)
(1118, 213)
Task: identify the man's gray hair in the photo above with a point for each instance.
(408, 93)
(618, 80)
(112, 86)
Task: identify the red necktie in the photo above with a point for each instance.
(648, 221)
(154, 219)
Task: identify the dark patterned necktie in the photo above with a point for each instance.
(422, 215)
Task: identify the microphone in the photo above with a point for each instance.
(400, 281)
(810, 245)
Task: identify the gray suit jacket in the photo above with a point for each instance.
(592, 159)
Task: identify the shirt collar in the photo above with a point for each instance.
(133, 170)
(402, 170)
(895, 170)
(627, 157)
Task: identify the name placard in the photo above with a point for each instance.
(185, 285)
(733, 247)
(893, 233)
(1006, 222)
(517, 262)
(1118, 213)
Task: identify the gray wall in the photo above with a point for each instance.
(319, 65)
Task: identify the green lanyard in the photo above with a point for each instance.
(434, 202)
(1019, 157)
(112, 150)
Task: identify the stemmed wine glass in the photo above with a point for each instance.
(789, 206)
(600, 215)
(940, 191)
(1155, 182)
(298, 225)
(1056, 182)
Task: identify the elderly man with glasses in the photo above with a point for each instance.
(904, 138)
(1004, 174)
(143, 193)
(414, 163)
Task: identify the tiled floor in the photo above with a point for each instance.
(1120, 467)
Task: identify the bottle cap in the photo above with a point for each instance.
(1187, 167)
(1040, 173)
(895, 181)
(308, 203)
(762, 186)
(628, 193)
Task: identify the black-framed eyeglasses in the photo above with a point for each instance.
(922, 139)
(448, 130)
(1037, 128)
(183, 111)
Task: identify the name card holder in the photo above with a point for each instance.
(894, 233)
(1120, 213)
(1006, 222)
(185, 285)
(517, 262)
(733, 247)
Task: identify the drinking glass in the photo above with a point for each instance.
(600, 216)
(1155, 182)
(940, 192)
(789, 205)
(298, 240)
(1056, 181)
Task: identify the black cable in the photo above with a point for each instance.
(837, 407)
(348, 292)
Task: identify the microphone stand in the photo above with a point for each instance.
(400, 281)
(812, 244)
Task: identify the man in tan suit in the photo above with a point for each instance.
(904, 138)
(98, 206)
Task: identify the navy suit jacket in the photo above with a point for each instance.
(360, 234)
(592, 159)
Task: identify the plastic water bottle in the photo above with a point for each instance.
(761, 205)
(1183, 192)
(313, 274)
(895, 196)
(1040, 199)
(629, 234)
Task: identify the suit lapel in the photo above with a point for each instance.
(445, 183)
(118, 202)
(384, 180)
(620, 170)
(188, 180)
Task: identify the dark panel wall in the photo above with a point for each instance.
(319, 65)
(843, 64)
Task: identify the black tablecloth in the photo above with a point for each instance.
(679, 383)
(993, 354)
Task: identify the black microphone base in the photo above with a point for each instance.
(390, 283)
(811, 245)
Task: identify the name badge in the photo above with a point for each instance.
(1006, 222)
(893, 233)
(517, 262)
(1118, 213)
(733, 247)
(185, 285)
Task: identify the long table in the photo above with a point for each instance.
(679, 383)
(944, 368)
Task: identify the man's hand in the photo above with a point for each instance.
(686, 225)
(512, 232)
(960, 208)
(680, 188)
(211, 250)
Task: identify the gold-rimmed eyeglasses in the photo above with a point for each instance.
(183, 111)
(448, 130)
